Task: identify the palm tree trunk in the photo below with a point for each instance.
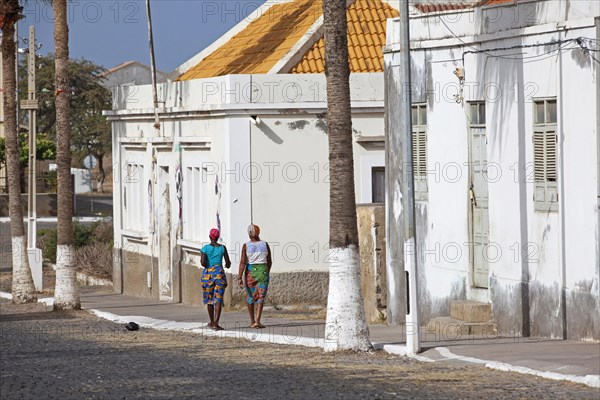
(23, 289)
(66, 292)
(101, 173)
(346, 326)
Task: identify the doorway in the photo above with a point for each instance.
(479, 227)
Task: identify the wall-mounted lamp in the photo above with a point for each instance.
(460, 74)
(255, 119)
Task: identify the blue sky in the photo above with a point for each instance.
(109, 32)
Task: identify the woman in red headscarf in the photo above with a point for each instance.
(214, 280)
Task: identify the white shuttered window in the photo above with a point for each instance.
(135, 209)
(545, 194)
(419, 144)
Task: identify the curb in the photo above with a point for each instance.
(268, 337)
(55, 219)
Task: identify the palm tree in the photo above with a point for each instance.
(23, 289)
(66, 292)
(346, 326)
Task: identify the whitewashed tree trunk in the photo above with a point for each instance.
(23, 289)
(346, 327)
(66, 292)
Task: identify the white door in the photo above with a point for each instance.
(479, 221)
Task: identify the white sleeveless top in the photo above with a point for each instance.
(257, 252)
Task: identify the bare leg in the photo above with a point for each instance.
(259, 308)
(211, 314)
(251, 313)
(218, 308)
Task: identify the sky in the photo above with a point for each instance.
(110, 32)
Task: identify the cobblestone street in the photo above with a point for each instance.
(78, 356)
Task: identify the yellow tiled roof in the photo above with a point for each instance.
(257, 48)
(366, 38)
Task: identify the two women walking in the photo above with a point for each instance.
(253, 275)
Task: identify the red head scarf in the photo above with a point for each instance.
(214, 234)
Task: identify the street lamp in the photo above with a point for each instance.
(31, 105)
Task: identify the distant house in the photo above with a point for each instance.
(243, 138)
(506, 125)
(131, 73)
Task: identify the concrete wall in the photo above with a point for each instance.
(543, 276)
(371, 231)
(45, 202)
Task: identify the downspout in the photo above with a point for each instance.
(597, 19)
(257, 121)
(561, 190)
(149, 149)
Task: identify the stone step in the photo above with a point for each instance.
(448, 328)
(470, 311)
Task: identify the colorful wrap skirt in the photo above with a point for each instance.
(257, 282)
(214, 281)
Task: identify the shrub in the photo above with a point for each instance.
(100, 232)
(95, 259)
(47, 242)
(103, 232)
(82, 235)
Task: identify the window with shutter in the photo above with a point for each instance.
(133, 206)
(545, 194)
(195, 204)
(419, 143)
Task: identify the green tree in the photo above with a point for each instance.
(346, 326)
(90, 132)
(45, 150)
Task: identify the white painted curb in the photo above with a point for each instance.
(588, 380)
(264, 336)
(55, 219)
(49, 301)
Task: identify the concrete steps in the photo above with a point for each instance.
(467, 318)
(470, 311)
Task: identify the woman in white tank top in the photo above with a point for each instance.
(255, 266)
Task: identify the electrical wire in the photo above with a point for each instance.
(579, 41)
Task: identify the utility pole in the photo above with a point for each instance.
(153, 69)
(31, 105)
(407, 186)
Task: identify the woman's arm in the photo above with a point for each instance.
(203, 259)
(227, 260)
(242, 266)
(269, 260)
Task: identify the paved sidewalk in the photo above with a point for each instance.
(554, 359)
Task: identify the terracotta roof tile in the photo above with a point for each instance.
(258, 47)
(366, 36)
(267, 39)
(439, 6)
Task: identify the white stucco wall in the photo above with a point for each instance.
(211, 118)
(546, 251)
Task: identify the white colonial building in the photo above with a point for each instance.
(243, 138)
(506, 99)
